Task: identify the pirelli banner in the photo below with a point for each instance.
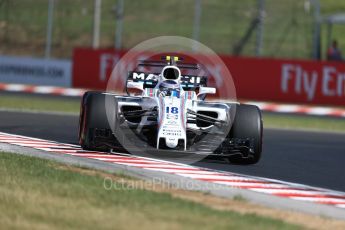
(262, 79)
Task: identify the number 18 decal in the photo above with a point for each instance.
(173, 110)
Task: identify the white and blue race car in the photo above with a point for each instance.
(169, 114)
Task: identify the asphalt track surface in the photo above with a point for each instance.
(311, 158)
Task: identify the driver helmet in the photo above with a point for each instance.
(169, 88)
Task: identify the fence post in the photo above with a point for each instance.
(119, 24)
(197, 18)
(316, 52)
(260, 27)
(96, 23)
(49, 28)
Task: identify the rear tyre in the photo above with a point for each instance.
(247, 124)
(93, 116)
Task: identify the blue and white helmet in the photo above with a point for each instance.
(169, 88)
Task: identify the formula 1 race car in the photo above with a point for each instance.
(170, 114)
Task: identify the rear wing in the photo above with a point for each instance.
(150, 80)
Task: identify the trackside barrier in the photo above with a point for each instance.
(259, 79)
(35, 71)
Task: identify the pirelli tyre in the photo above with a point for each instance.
(247, 125)
(94, 128)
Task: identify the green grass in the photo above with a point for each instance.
(39, 103)
(41, 194)
(303, 122)
(287, 28)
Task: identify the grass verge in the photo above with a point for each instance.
(275, 120)
(39, 103)
(37, 194)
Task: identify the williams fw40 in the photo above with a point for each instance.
(168, 114)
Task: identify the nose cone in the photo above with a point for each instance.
(171, 142)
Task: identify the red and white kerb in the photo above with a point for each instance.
(260, 185)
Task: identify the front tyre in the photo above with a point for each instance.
(247, 125)
(94, 129)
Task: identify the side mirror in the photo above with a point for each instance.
(135, 85)
(206, 90)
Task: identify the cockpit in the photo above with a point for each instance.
(169, 88)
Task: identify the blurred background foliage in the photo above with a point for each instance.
(287, 25)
